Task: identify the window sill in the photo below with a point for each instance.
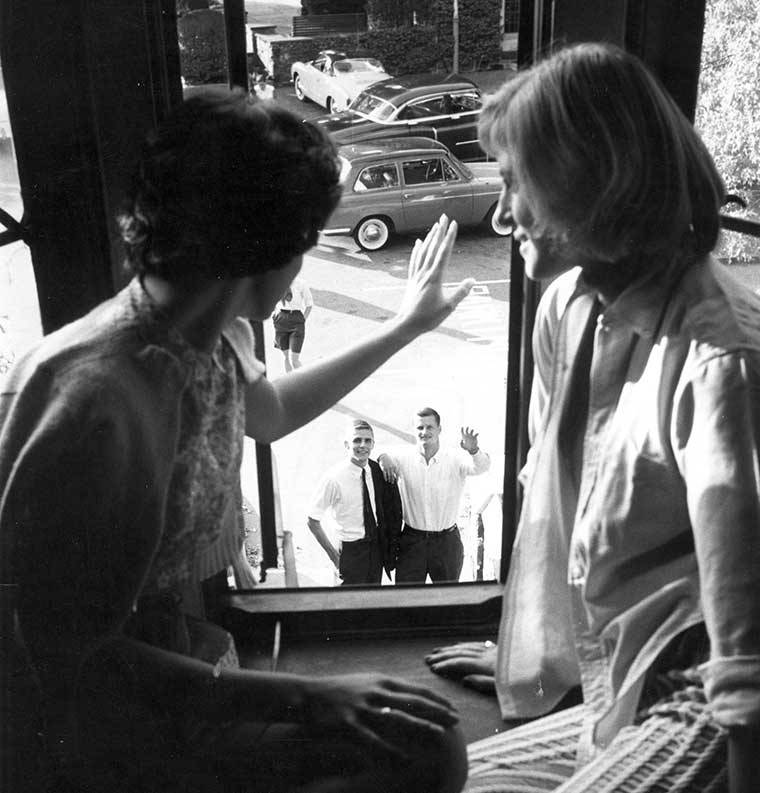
(365, 611)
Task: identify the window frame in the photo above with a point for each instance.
(388, 165)
(88, 238)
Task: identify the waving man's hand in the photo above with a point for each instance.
(469, 440)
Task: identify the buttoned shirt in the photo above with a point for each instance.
(300, 300)
(431, 491)
(339, 495)
(660, 530)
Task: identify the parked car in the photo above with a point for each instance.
(413, 106)
(333, 80)
(405, 184)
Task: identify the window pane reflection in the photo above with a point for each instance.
(459, 370)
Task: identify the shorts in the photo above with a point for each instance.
(289, 330)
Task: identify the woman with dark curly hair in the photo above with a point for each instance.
(121, 438)
(635, 568)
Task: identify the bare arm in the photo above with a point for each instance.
(323, 540)
(372, 706)
(277, 408)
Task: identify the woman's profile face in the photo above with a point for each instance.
(544, 254)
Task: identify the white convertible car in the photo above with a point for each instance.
(333, 79)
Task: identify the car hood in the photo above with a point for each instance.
(348, 119)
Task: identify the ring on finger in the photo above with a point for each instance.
(386, 710)
(488, 643)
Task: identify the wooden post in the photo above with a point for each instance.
(455, 60)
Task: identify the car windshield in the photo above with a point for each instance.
(372, 107)
(359, 65)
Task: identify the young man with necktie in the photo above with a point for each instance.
(365, 509)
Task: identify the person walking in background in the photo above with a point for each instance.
(290, 323)
(431, 482)
(365, 508)
(634, 572)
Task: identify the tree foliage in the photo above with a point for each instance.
(728, 110)
(417, 35)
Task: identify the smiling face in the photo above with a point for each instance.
(359, 444)
(544, 253)
(428, 433)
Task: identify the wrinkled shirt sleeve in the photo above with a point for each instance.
(474, 464)
(716, 439)
(325, 496)
(547, 319)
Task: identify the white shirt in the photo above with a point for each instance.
(301, 299)
(431, 492)
(339, 494)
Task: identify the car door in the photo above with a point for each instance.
(423, 191)
(454, 118)
(431, 187)
(419, 117)
(458, 198)
(318, 79)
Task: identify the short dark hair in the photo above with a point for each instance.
(228, 186)
(605, 157)
(427, 411)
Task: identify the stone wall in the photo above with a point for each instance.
(277, 52)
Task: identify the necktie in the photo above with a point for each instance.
(370, 526)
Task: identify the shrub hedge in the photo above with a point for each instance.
(202, 49)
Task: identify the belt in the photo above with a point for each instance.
(290, 311)
(407, 527)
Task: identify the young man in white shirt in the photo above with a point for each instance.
(290, 322)
(365, 508)
(431, 481)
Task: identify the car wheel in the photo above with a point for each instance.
(372, 233)
(496, 226)
(299, 88)
(330, 104)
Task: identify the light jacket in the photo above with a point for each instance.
(664, 530)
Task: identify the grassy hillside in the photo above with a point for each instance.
(280, 14)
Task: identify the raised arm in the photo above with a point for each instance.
(478, 462)
(277, 408)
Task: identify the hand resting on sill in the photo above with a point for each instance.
(473, 664)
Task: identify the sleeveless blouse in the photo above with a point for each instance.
(204, 530)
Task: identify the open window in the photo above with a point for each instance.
(84, 128)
